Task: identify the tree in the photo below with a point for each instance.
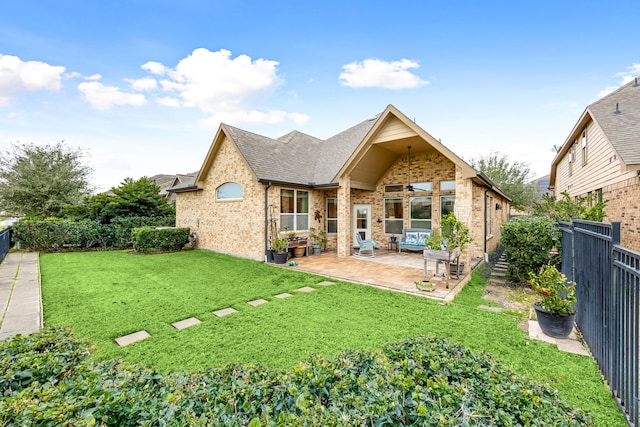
(565, 208)
(132, 198)
(513, 178)
(40, 180)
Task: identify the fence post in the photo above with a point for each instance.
(615, 233)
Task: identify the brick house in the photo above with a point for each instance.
(601, 156)
(363, 180)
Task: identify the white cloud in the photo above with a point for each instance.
(377, 73)
(253, 117)
(18, 76)
(213, 81)
(627, 76)
(143, 84)
(168, 101)
(104, 97)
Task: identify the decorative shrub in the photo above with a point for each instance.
(160, 238)
(419, 381)
(527, 241)
(56, 234)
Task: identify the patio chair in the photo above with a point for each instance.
(367, 246)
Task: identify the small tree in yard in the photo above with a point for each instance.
(40, 180)
(565, 209)
(511, 177)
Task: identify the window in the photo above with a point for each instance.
(447, 185)
(393, 216)
(420, 212)
(599, 195)
(571, 161)
(332, 215)
(490, 209)
(584, 146)
(422, 186)
(294, 210)
(392, 188)
(229, 190)
(447, 205)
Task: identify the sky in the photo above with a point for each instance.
(141, 86)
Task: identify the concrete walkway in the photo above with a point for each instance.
(20, 296)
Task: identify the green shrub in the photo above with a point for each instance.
(527, 241)
(56, 234)
(420, 381)
(160, 238)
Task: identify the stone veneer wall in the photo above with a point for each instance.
(624, 206)
(228, 226)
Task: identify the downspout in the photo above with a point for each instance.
(266, 219)
(485, 224)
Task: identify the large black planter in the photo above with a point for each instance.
(281, 257)
(556, 325)
(270, 253)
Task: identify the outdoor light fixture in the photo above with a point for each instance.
(554, 251)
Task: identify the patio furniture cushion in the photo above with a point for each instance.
(413, 238)
(366, 247)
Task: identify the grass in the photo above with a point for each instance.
(104, 295)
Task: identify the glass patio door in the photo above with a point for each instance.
(362, 222)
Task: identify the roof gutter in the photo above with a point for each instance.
(297, 184)
(183, 189)
(491, 185)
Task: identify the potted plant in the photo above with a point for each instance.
(556, 309)
(455, 234)
(319, 238)
(280, 246)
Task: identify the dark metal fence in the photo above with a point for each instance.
(607, 280)
(5, 242)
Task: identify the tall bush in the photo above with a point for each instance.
(527, 241)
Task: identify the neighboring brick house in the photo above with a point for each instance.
(355, 181)
(601, 156)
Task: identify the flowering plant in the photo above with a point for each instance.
(558, 294)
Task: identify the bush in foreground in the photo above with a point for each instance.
(419, 381)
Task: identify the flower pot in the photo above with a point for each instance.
(298, 251)
(281, 257)
(270, 253)
(556, 325)
(316, 249)
(456, 269)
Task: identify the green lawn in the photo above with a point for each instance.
(104, 295)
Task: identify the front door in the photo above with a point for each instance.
(361, 222)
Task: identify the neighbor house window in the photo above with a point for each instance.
(294, 210)
(393, 216)
(332, 215)
(447, 185)
(392, 188)
(420, 212)
(447, 205)
(583, 142)
(229, 190)
(571, 161)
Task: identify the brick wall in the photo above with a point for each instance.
(624, 206)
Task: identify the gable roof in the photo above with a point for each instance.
(621, 125)
(318, 163)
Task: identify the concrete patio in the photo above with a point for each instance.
(387, 270)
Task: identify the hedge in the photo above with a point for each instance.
(56, 233)
(160, 238)
(527, 241)
(421, 381)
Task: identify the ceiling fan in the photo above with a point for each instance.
(410, 188)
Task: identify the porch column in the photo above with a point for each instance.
(344, 238)
(466, 211)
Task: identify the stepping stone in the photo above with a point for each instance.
(257, 302)
(492, 288)
(572, 346)
(500, 269)
(306, 289)
(186, 323)
(536, 333)
(285, 295)
(326, 283)
(131, 338)
(494, 309)
(497, 282)
(493, 298)
(225, 312)
(498, 274)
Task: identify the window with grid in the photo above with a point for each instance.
(332, 215)
(294, 210)
(447, 205)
